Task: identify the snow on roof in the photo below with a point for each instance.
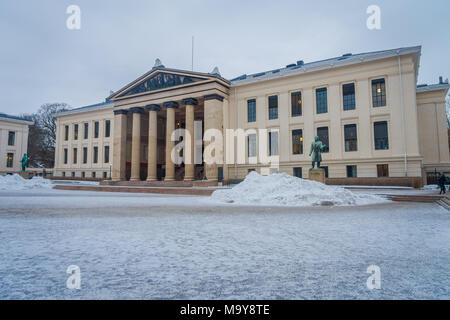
(433, 87)
(7, 117)
(344, 60)
(94, 107)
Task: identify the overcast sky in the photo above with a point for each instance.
(43, 61)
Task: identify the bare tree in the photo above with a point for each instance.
(42, 135)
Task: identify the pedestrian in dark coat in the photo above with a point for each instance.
(442, 179)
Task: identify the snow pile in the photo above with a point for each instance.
(283, 189)
(16, 182)
(434, 187)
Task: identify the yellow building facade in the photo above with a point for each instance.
(379, 126)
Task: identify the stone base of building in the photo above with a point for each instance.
(317, 175)
(413, 182)
(185, 184)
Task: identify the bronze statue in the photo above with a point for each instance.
(24, 162)
(316, 151)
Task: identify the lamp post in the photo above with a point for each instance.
(110, 171)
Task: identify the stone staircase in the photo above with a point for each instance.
(443, 201)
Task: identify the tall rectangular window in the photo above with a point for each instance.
(351, 172)
(75, 155)
(106, 158)
(298, 173)
(273, 107)
(96, 129)
(379, 93)
(381, 135)
(322, 133)
(251, 110)
(86, 130)
(297, 141)
(107, 128)
(251, 145)
(66, 133)
(95, 159)
(85, 155)
(296, 104)
(9, 160)
(321, 101)
(351, 139)
(75, 131)
(11, 138)
(66, 156)
(348, 93)
(382, 170)
(273, 143)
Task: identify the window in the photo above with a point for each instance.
(297, 141)
(326, 170)
(322, 133)
(298, 172)
(96, 129)
(75, 155)
(85, 155)
(251, 110)
(107, 128)
(296, 104)
(273, 143)
(73, 174)
(251, 149)
(86, 130)
(106, 154)
(93, 175)
(321, 100)
(105, 175)
(9, 160)
(65, 156)
(381, 135)
(382, 170)
(11, 138)
(348, 93)
(351, 140)
(66, 133)
(95, 155)
(83, 174)
(75, 131)
(273, 107)
(63, 174)
(351, 172)
(379, 93)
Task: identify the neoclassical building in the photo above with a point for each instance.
(13, 142)
(377, 122)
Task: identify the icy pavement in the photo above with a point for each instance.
(177, 247)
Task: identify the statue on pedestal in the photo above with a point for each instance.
(24, 162)
(316, 151)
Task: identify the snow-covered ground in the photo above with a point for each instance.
(16, 182)
(284, 189)
(180, 247)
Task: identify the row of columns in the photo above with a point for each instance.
(120, 132)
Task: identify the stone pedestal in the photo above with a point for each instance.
(317, 175)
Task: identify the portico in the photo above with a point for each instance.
(147, 114)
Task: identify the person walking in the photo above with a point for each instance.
(442, 179)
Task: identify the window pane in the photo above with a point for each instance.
(298, 172)
(106, 154)
(11, 138)
(322, 133)
(381, 135)
(95, 154)
(107, 128)
(297, 141)
(96, 129)
(379, 93)
(66, 133)
(85, 155)
(348, 92)
(251, 110)
(273, 107)
(351, 172)
(351, 141)
(86, 130)
(75, 132)
(296, 100)
(321, 100)
(65, 156)
(383, 170)
(251, 145)
(10, 160)
(273, 143)
(75, 155)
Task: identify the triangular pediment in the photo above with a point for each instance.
(159, 80)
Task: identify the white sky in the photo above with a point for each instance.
(42, 61)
